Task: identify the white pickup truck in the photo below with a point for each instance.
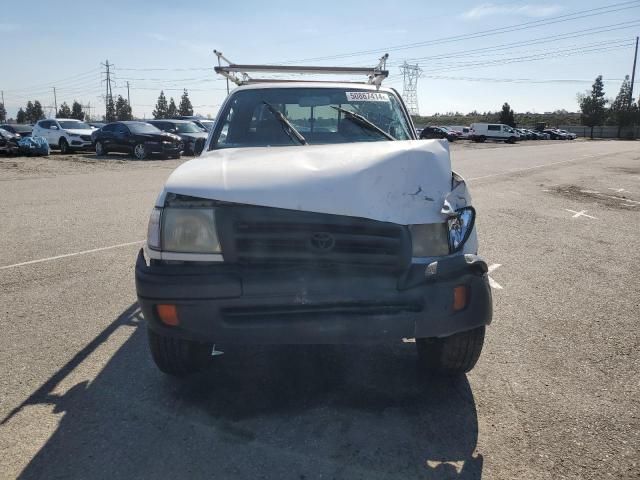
(314, 216)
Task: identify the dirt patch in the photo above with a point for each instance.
(20, 168)
(605, 199)
(627, 170)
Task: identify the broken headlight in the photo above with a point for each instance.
(429, 240)
(189, 230)
(460, 226)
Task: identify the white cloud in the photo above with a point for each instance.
(530, 10)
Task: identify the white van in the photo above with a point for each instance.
(481, 132)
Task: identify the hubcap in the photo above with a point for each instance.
(99, 149)
(139, 151)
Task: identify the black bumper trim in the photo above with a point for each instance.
(230, 303)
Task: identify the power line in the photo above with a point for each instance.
(528, 43)
(604, 46)
(484, 33)
(515, 80)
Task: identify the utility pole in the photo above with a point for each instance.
(55, 103)
(108, 93)
(633, 72)
(128, 97)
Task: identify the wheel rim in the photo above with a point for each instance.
(63, 147)
(139, 151)
(99, 149)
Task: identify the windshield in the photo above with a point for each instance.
(142, 127)
(22, 128)
(187, 128)
(74, 125)
(247, 121)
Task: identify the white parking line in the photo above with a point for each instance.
(492, 283)
(581, 213)
(41, 260)
(525, 169)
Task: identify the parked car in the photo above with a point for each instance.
(437, 132)
(524, 134)
(193, 137)
(18, 129)
(569, 135)
(8, 142)
(555, 134)
(481, 132)
(457, 133)
(464, 132)
(203, 123)
(141, 139)
(65, 134)
(350, 233)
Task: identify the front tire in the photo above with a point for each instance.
(176, 356)
(64, 146)
(100, 150)
(453, 355)
(140, 151)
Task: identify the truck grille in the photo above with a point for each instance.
(265, 235)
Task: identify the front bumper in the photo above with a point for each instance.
(307, 305)
(80, 144)
(163, 149)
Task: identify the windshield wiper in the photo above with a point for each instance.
(288, 128)
(363, 122)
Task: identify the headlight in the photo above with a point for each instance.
(460, 227)
(189, 230)
(429, 240)
(153, 229)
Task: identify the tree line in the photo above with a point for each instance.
(623, 111)
(595, 110)
(117, 110)
(169, 109)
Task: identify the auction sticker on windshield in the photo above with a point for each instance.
(367, 97)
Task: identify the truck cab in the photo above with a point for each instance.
(314, 216)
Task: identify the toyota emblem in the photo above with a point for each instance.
(322, 241)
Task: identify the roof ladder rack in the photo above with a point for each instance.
(239, 74)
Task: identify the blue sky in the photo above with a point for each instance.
(168, 45)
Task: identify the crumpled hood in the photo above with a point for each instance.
(404, 182)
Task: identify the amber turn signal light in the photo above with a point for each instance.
(168, 314)
(460, 297)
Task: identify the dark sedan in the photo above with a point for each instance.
(140, 139)
(18, 129)
(193, 137)
(437, 132)
(8, 142)
(203, 123)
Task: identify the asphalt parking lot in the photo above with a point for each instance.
(554, 395)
